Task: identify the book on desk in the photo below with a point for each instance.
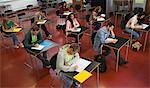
(41, 21)
(16, 29)
(42, 45)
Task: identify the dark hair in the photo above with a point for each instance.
(110, 24)
(141, 14)
(69, 18)
(35, 27)
(74, 46)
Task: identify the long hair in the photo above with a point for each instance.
(69, 18)
(5, 25)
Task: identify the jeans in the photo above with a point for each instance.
(135, 34)
(68, 81)
(15, 39)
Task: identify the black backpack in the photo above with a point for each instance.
(101, 59)
(53, 61)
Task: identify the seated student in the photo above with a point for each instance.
(63, 7)
(94, 16)
(106, 35)
(71, 26)
(133, 24)
(67, 55)
(38, 16)
(32, 39)
(8, 24)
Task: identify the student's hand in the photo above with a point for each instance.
(75, 67)
(36, 45)
(114, 40)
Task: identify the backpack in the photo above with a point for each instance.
(53, 61)
(101, 59)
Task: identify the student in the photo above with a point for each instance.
(71, 26)
(67, 55)
(106, 35)
(63, 7)
(38, 16)
(133, 24)
(32, 39)
(94, 16)
(8, 24)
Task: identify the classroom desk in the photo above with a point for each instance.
(90, 68)
(83, 29)
(118, 46)
(33, 54)
(146, 31)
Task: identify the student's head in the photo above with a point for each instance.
(73, 48)
(98, 9)
(35, 29)
(64, 4)
(110, 26)
(141, 15)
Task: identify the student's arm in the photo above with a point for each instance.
(76, 23)
(75, 58)
(39, 38)
(60, 63)
(27, 41)
(101, 36)
(135, 25)
(112, 34)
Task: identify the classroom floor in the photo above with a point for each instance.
(15, 74)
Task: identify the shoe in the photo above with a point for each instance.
(21, 45)
(49, 36)
(16, 46)
(123, 62)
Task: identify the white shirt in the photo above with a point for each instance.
(132, 22)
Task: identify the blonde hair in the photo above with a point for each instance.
(97, 9)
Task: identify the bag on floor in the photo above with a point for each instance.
(102, 61)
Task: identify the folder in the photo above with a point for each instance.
(17, 29)
(82, 76)
(47, 43)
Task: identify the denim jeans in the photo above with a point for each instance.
(15, 39)
(135, 34)
(68, 81)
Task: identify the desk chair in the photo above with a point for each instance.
(29, 7)
(53, 67)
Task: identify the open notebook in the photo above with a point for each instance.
(41, 22)
(101, 19)
(145, 26)
(43, 44)
(82, 64)
(77, 30)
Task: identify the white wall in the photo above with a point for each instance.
(19, 4)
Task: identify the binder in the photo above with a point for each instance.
(82, 76)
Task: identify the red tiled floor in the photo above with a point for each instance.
(14, 74)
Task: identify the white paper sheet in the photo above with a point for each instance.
(77, 30)
(67, 13)
(145, 26)
(38, 48)
(100, 19)
(82, 64)
(41, 22)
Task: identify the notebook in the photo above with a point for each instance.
(82, 76)
(67, 13)
(82, 64)
(100, 19)
(77, 30)
(38, 48)
(16, 29)
(46, 43)
(41, 22)
(145, 26)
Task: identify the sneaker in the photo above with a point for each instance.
(49, 36)
(21, 45)
(123, 62)
(16, 46)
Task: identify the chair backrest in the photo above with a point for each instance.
(20, 15)
(53, 61)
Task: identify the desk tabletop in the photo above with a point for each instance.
(121, 41)
(91, 67)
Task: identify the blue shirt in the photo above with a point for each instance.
(100, 37)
